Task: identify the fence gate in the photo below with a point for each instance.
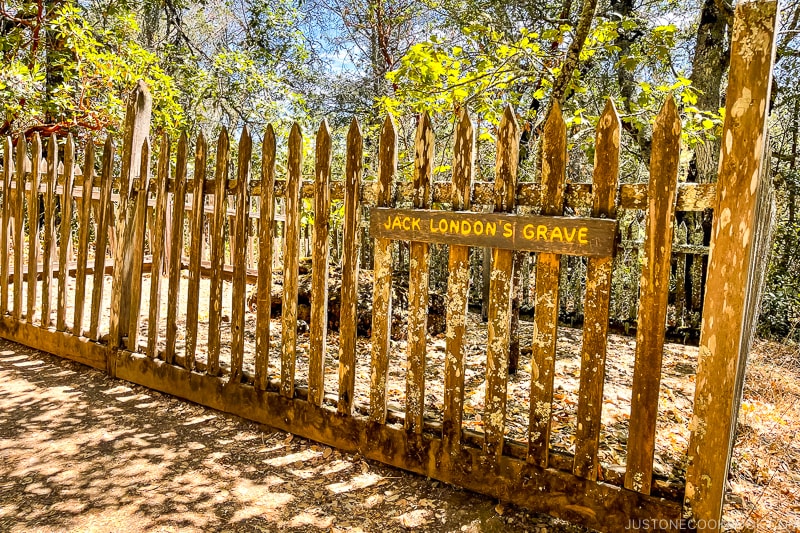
(130, 327)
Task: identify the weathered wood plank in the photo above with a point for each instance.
(291, 262)
(264, 287)
(176, 246)
(497, 349)
(597, 298)
(239, 254)
(34, 223)
(139, 193)
(195, 249)
(319, 271)
(457, 292)
(157, 235)
(733, 262)
(349, 301)
(65, 231)
(382, 283)
(580, 236)
(548, 273)
(8, 215)
(84, 225)
(101, 240)
(137, 125)
(48, 234)
(19, 247)
(217, 238)
(419, 253)
(653, 297)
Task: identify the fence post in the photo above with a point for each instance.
(137, 128)
(733, 280)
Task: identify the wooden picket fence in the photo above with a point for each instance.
(111, 214)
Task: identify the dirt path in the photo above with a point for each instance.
(82, 452)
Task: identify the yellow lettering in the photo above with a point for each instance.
(454, 226)
(466, 227)
(388, 223)
(443, 225)
(508, 229)
(556, 234)
(541, 232)
(433, 228)
(477, 226)
(406, 223)
(527, 231)
(582, 236)
(415, 223)
(569, 236)
(491, 228)
(396, 224)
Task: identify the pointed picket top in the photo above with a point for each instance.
(295, 135)
(355, 130)
(355, 155)
(183, 143)
(69, 147)
(423, 162)
(606, 161)
(554, 161)
(222, 140)
(201, 141)
(245, 150)
(269, 138)
(108, 146)
(387, 162)
(505, 181)
(463, 161)
(323, 132)
(322, 166)
(52, 155)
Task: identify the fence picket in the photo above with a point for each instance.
(419, 253)
(382, 289)
(548, 273)
(195, 249)
(140, 194)
(33, 225)
(84, 212)
(457, 291)
(265, 248)
(65, 232)
(176, 247)
(349, 301)
(598, 298)
(291, 262)
(48, 234)
(319, 267)
(239, 254)
(157, 242)
(8, 204)
(217, 238)
(498, 343)
(653, 297)
(101, 239)
(19, 246)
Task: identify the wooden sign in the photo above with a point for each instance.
(588, 237)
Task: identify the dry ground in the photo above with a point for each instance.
(82, 452)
